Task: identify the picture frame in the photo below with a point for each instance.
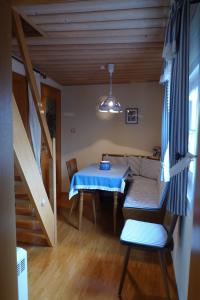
(131, 115)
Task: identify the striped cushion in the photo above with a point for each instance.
(134, 163)
(144, 233)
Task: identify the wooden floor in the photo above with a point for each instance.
(87, 265)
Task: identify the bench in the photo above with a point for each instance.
(146, 194)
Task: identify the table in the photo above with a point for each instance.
(92, 178)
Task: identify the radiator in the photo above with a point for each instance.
(22, 274)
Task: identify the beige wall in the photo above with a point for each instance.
(86, 133)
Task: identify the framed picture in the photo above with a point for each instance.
(131, 116)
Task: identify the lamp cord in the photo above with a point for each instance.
(110, 92)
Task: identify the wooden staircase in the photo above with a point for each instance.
(35, 212)
(36, 218)
(28, 227)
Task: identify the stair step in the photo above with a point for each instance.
(22, 196)
(26, 211)
(23, 203)
(28, 224)
(31, 238)
(24, 217)
(20, 189)
(18, 178)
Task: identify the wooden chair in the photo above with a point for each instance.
(72, 169)
(150, 237)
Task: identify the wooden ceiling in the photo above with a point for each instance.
(79, 39)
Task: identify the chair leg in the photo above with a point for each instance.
(94, 210)
(115, 210)
(126, 259)
(164, 273)
(80, 210)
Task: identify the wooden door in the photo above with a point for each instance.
(51, 100)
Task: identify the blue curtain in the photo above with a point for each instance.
(175, 121)
(165, 135)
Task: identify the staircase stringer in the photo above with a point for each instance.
(29, 172)
(31, 79)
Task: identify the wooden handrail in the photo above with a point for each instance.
(31, 79)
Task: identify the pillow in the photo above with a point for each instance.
(150, 168)
(116, 160)
(134, 163)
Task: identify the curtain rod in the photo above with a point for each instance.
(34, 69)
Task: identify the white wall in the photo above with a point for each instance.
(87, 133)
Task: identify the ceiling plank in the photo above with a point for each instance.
(38, 2)
(114, 15)
(86, 41)
(80, 47)
(125, 24)
(93, 58)
(78, 81)
(77, 52)
(96, 70)
(98, 60)
(155, 31)
(89, 6)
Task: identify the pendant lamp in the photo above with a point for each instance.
(110, 103)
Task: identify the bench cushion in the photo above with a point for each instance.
(150, 168)
(144, 233)
(116, 160)
(143, 193)
(134, 163)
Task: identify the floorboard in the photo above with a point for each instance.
(87, 265)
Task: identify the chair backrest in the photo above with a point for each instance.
(71, 167)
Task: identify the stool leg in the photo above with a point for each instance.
(80, 210)
(94, 210)
(126, 259)
(164, 273)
